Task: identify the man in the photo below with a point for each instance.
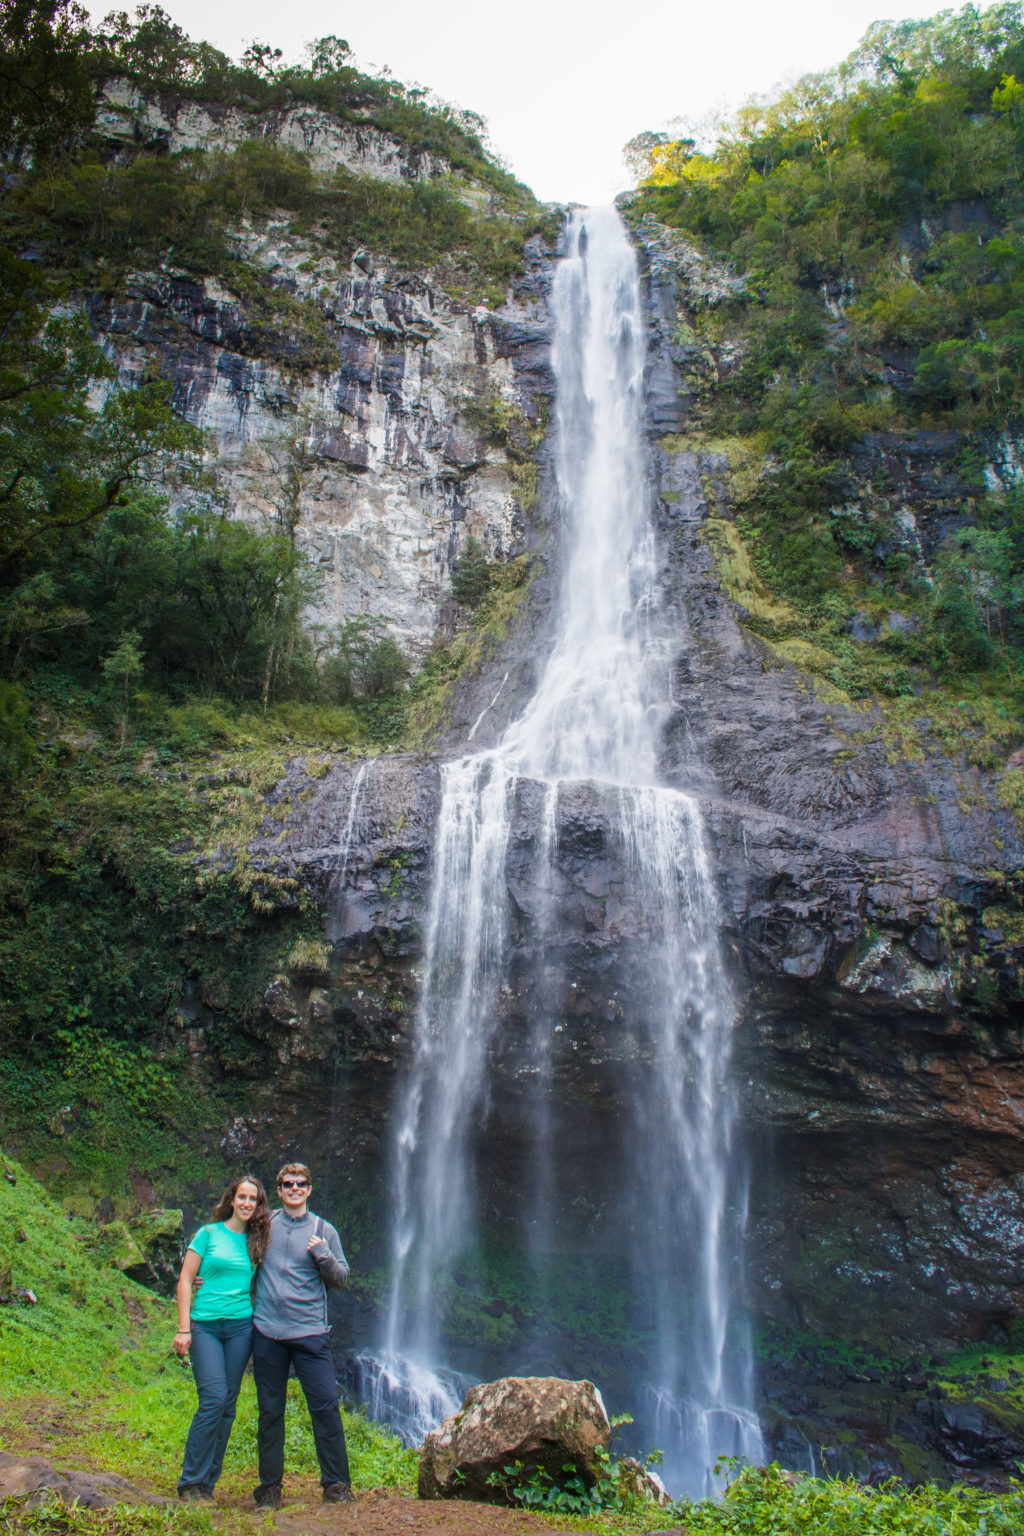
(290, 1328)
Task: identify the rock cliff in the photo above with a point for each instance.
(866, 868)
(346, 397)
(873, 945)
(879, 1041)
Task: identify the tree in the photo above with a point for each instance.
(640, 151)
(977, 581)
(45, 92)
(367, 662)
(329, 56)
(471, 574)
(239, 594)
(263, 60)
(124, 666)
(65, 460)
(152, 48)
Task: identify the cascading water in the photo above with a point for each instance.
(672, 1172)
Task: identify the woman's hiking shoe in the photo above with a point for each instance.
(338, 1493)
(267, 1496)
(196, 1493)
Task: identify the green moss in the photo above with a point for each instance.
(431, 692)
(1010, 792)
(1009, 919)
(740, 579)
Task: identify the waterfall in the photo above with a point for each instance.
(336, 894)
(671, 1172)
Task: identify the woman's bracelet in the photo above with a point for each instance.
(184, 1330)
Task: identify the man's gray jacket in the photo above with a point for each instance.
(292, 1282)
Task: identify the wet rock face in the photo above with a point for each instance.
(887, 1191)
(873, 1420)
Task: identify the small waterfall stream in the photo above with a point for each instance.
(674, 1176)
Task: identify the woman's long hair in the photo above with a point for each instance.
(257, 1231)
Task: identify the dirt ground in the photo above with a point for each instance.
(47, 1435)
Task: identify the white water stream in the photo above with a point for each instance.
(594, 720)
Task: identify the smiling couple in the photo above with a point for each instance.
(255, 1281)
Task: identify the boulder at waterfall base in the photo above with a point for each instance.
(543, 1423)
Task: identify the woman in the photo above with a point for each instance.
(218, 1337)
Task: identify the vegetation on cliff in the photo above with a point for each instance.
(155, 668)
(876, 214)
(93, 208)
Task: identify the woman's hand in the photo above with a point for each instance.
(182, 1340)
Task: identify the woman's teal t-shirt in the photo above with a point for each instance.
(226, 1272)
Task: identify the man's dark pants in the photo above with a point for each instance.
(314, 1366)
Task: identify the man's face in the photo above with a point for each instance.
(294, 1191)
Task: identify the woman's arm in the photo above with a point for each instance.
(189, 1270)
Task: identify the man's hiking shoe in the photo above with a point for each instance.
(338, 1493)
(268, 1496)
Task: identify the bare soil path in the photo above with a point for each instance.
(46, 1435)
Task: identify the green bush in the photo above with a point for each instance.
(767, 1501)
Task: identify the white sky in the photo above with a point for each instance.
(563, 84)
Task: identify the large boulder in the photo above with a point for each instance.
(540, 1422)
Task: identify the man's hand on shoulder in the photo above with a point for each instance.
(333, 1271)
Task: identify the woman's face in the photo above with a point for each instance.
(244, 1202)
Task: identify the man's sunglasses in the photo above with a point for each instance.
(294, 1184)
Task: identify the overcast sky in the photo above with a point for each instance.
(563, 84)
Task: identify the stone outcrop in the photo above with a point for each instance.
(32, 1478)
(128, 118)
(538, 1424)
(147, 1248)
(393, 478)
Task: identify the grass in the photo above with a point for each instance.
(770, 1502)
(54, 1517)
